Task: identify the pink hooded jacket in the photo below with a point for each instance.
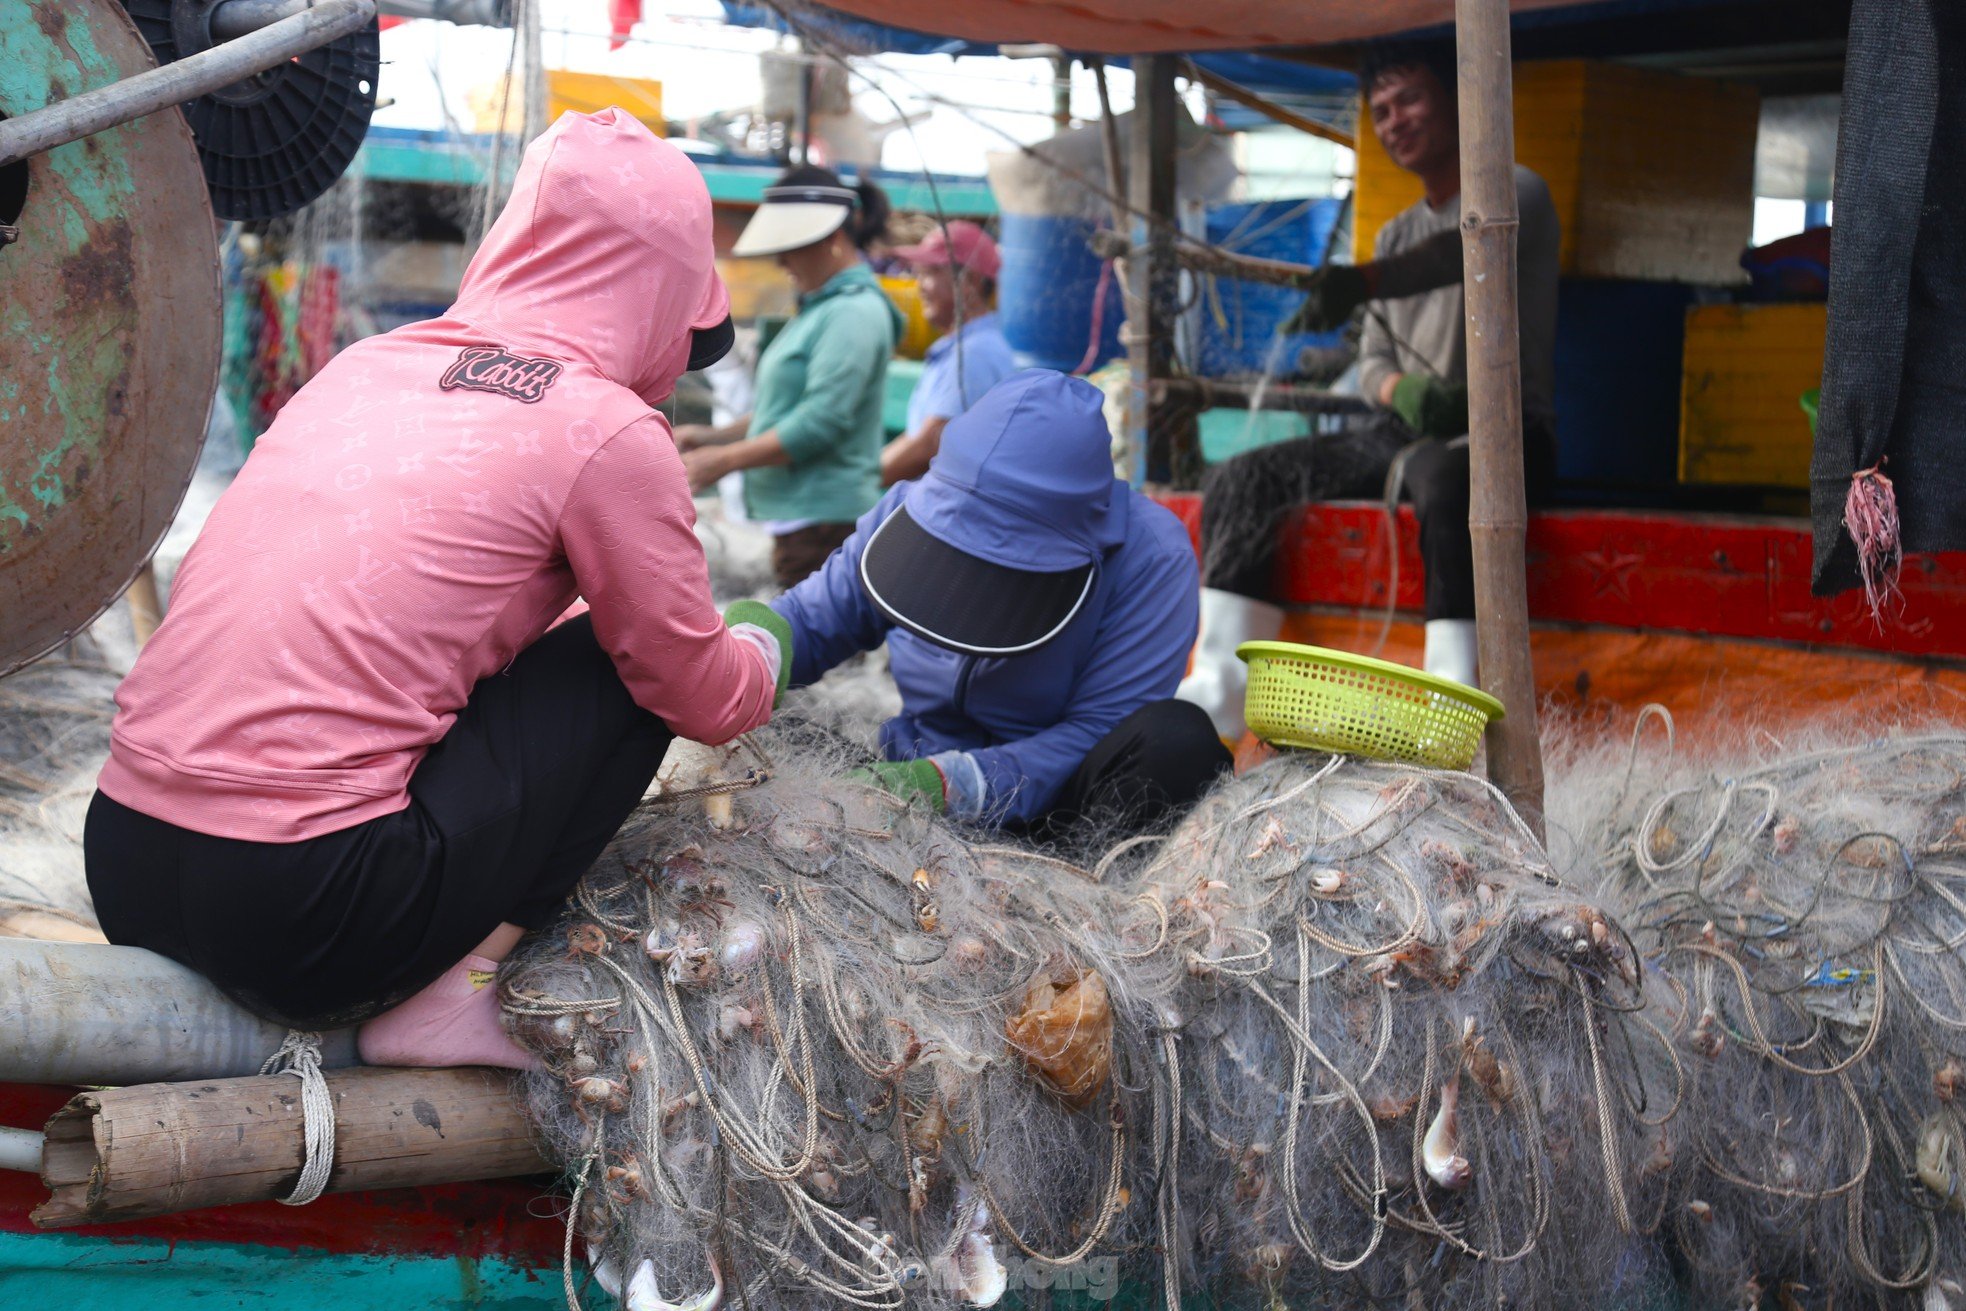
(426, 507)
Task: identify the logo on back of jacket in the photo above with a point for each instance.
(497, 370)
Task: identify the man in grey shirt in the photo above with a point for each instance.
(1412, 367)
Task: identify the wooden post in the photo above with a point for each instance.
(1061, 92)
(146, 609)
(128, 1153)
(1498, 516)
(1165, 447)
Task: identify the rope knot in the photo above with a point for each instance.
(300, 1056)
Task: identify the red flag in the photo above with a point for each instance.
(385, 23)
(622, 17)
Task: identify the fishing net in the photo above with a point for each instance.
(1805, 905)
(1416, 1070)
(808, 1045)
(1340, 1036)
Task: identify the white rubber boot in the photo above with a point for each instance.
(1219, 679)
(1452, 650)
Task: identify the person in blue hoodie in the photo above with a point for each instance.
(1038, 615)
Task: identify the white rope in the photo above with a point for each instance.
(300, 1056)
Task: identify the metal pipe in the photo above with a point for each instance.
(83, 1013)
(20, 1149)
(237, 18)
(186, 79)
(465, 13)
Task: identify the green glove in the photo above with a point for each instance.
(910, 780)
(1333, 295)
(760, 615)
(1431, 408)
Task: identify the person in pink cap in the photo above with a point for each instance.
(366, 750)
(957, 266)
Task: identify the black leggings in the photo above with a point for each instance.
(506, 813)
(1245, 502)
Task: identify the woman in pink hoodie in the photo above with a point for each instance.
(359, 758)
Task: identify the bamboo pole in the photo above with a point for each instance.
(129, 1153)
(1269, 109)
(1222, 263)
(1498, 517)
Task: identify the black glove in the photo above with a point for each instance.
(1334, 294)
(1431, 408)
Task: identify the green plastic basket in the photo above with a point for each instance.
(1322, 700)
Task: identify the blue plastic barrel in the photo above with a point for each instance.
(1240, 321)
(1046, 292)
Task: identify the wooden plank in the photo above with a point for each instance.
(1692, 574)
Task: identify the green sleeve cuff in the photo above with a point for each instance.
(763, 616)
(909, 780)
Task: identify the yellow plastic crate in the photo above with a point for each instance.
(1652, 174)
(1740, 417)
(567, 90)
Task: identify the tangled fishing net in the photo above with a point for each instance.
(1341, 1037)
(1807, 908)
(807, 1045)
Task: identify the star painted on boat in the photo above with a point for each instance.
(1611, 572)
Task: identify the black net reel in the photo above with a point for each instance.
(273, 142)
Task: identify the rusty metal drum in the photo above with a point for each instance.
(109, 331)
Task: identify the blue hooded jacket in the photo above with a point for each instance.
(1024, 478)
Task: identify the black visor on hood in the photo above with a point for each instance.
(708, 345)
(960, 601)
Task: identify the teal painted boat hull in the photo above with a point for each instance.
(105, 1274)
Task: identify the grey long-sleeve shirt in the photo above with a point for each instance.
(1428, 332)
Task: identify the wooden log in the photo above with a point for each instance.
(1498, 516)
(83, 1013)
(130, 1153)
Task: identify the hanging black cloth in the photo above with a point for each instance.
(1893, 414)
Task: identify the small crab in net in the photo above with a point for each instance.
(685, 956)
(624, 1180)
(599, 1093)
(587, 940)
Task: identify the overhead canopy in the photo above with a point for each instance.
(1147, 26)
(1314, 91)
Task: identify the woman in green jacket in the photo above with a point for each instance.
(811, 447)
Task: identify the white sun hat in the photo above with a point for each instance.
(790, 218)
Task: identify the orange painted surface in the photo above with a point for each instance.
(1710, 685)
